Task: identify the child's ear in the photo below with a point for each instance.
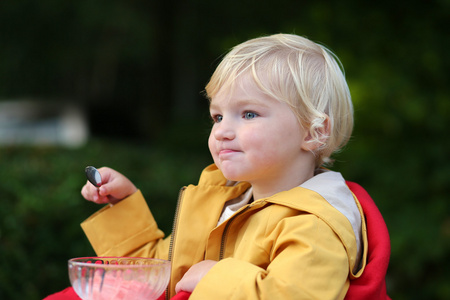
(317, 135)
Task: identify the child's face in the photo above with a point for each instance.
(256, 138)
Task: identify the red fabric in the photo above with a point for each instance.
(67, 294)
(372, 284)
(181, 296)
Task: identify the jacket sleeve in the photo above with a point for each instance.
(307, 261)
(126, 229)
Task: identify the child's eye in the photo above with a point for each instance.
(250, 115)
(217, 118)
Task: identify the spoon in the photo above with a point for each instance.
(93, 176)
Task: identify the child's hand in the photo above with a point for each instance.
(192, 277)
(114, 188)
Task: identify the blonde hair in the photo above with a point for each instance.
(305, 75)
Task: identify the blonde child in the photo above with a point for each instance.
(266, 220)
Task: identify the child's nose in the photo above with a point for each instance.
(224, 131)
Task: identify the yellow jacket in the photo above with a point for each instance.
(292, 245)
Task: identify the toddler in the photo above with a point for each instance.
(266, 220)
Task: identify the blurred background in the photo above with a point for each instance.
(120, 82)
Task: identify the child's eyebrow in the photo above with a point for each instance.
(241, 102)
(212, 105)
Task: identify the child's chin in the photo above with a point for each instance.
(231, 171)
(232, 176)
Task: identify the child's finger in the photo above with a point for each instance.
(102, 200)
(85, 192)
(103, 191)
(90, 193)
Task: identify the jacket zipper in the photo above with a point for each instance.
(225, 231)
(174, 227)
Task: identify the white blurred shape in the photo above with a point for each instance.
(37, 122)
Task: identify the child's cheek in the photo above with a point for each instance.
(212, 145)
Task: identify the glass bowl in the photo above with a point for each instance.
(114, 278)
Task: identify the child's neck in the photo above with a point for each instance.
(267, 189)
